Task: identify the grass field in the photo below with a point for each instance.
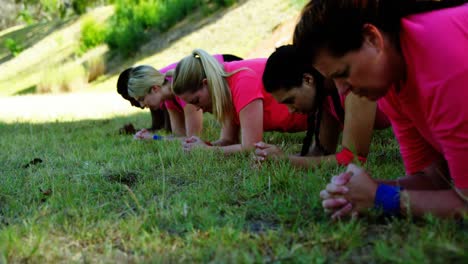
(98, 196)
(75, 190)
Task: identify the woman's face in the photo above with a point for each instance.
(151, 100)
(200, 98)
(299, 99)
(366, 72)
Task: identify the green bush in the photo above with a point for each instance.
(79, 6)
(13, 46)
(135, 20)
(92, 34)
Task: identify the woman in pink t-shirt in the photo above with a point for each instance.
(147, 87)
(417, 65)
(234, 94)
(295, 83)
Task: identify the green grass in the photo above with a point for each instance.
(99, 196)
(235, 30)
(47, 45)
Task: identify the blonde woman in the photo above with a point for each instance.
(233, 92)
(145, 87)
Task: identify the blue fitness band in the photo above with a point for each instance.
(387, 198)
(157, 137)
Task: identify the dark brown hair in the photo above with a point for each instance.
(336, 25)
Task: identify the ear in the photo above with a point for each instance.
(373, 37)
(205, 81)
(308, 79)
(156, 88)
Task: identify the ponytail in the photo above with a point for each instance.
(189, 75)
(315, 118)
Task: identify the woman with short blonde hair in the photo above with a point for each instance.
(146, 87)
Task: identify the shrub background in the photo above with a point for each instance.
(134, 21)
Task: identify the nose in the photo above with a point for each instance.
(342, 85)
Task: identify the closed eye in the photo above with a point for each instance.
(341, 74)
(194, 101)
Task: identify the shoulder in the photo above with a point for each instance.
(256, 66)
(434, 46)
(437, 36)
(168, 67)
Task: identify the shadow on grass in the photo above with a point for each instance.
(203, 200)
(30, 90)
(27, 36)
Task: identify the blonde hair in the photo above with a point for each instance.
(189, 75)
(142, 78)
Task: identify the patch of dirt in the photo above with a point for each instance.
(35, 161)
(45, 194)
(261, 226)
(127, 178)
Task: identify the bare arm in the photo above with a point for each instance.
(193, 120)
(441, 203)
(431, 193)
(434, 177)
(251, 121)
(329, 133)
(177, 123)
(358, 124)
(229, 134)
(357, 132)
(309, 162)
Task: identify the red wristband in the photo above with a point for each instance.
(345, 156)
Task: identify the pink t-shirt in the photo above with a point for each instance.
(178, 104)
(381, 120)
(246, 86)
(429, 113)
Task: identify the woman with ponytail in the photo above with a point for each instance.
(412, 56)
(233, 92)
(293, 82)
(146, 87)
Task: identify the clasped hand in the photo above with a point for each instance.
(349, 193)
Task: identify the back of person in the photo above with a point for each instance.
(433, 97)
(246, 86)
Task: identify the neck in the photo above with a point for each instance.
(166, 93)
(397, 61)
(399, 73)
